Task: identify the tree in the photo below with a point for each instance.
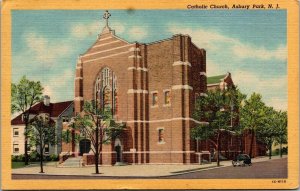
(268, 131)
(213, 108)
(252, 116)
(98, 126)
(23, 96)
(42, 133)
(237, 99)
(281, 128)
(66, 136)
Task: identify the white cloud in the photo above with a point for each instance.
(118, 27)
(277, 103)
(213, 41)
(250, 82)
(203, 38)
(83, 30)
(137, 33)
(244, 51)
(58, 87)
(212, 69)
(43, 50)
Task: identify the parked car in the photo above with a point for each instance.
(242, 160)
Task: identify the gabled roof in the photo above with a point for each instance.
(216, 79)
(54, 110)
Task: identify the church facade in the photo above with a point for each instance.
(151, 87)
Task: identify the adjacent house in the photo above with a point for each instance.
(59, 113)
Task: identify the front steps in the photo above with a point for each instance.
(72, 162)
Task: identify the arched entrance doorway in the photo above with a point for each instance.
(118, 149)
(84, 146)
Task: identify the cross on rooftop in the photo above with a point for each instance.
(106, 16)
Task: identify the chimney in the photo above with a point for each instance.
(46, 100)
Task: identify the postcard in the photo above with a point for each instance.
(149, 94)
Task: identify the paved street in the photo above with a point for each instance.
(269, 169)
(261, 168)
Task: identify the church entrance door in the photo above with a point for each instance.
(118, 151)
(84, 146)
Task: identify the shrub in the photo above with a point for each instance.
(34, 156)
(54, 157)
(285, 150)
(47, 158)
(18, 158)
(14, 158)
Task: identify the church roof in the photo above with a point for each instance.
(216, 79)
(54, 110)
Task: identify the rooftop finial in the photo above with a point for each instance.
(106, 28)
(106, 16)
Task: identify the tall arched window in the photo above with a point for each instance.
(106, 91)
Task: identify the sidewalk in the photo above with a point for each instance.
(144, 170)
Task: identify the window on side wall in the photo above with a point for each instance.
(167, 98)
(65, 119)
(161, 136)
(46, 148)
(16, 148)
(16, 132)
(154, 99)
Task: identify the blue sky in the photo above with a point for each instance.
(250, 44)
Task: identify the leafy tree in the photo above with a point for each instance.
(24, 95)
(42, 133)
(281, 128)
(237, 99)
(252, 116)
(66, 136)
(94, 123)
(268, 131)
(213, 108)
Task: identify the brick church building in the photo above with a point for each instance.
(149, 86)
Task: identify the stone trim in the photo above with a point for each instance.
(134, 56)
(105, 38)
(203, 94)
(216, 84)
(181, 63)
(78, 98)
(106, 43)
(132, 49)
(132, 91)
(91, 60)
(78, 78)
(186, 87)
(78, 67)
(120, 47)
(202, 73)
(137, 68)
(168, 120)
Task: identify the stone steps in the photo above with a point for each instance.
(72, 162)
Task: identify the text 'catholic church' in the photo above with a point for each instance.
(151, 87)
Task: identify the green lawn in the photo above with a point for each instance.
(22, 164)
(17, 165)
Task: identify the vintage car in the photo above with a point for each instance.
(242, 160)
